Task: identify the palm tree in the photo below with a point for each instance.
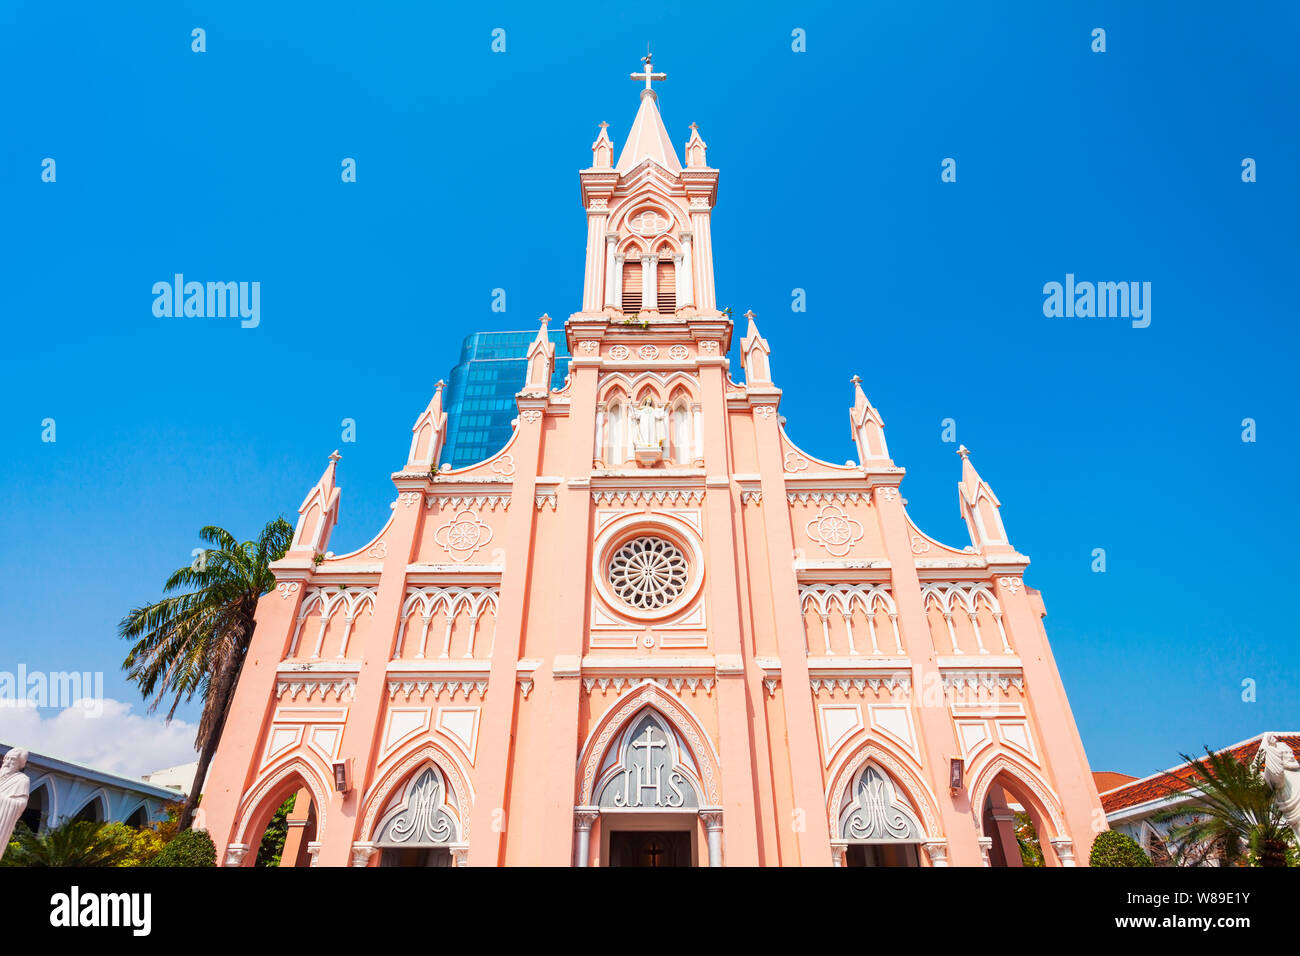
(195, 641)
(1233, 813)
(71, 843)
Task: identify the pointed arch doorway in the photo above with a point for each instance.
(646, 802)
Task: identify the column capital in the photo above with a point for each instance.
(1064, 848)
(986, 848)
(938, 850)
(711, 817)
(362, 852)
(584, 817)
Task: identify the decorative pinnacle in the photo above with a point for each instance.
(603, 124)
(692, 126)
(749, 314)
(963, 451)
(336, 456)
(545, 320)
(855, 380)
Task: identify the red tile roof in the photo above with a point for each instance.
(1158, 786)
(1105, 780)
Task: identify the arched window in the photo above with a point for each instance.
(632, 283)
(616, 434)
(679, 428)
(666, 283)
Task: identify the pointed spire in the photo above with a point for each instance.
(696, 149)
(541, 359)
(648, 138)
(868, 429)
(427, 434)
(980, 507)
(755, 355)
(602, 150)
(318, 511)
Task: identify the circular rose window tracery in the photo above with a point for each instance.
(648, 573)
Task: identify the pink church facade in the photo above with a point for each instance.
(652, 630)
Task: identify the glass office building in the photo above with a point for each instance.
(480, 397)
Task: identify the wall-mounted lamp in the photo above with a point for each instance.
(956, 774)
(342, 775)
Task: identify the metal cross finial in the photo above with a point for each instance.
(749, 314)
(649, 73)
(336, 456)
(855, 380)
(963, 451)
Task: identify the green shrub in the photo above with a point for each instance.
(1112, 848)
(71, 843)
(190, 848)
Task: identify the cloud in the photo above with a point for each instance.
(102, 734)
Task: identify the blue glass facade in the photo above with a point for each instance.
(480, 397)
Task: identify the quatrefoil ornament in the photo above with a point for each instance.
(835, 530)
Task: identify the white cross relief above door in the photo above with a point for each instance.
(648, 769)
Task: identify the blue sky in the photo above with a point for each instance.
(1122, 166)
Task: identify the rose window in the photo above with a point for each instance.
(648, 573)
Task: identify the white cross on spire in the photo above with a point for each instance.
(649, 74)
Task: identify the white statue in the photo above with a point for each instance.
(649, 424)
(1282, 772)
(15, 789)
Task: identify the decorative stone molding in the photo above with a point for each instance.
(460, 856)
(989, 680)
(889, 494)
(662, 496)
(589, 346)
(549, 498)
(765, 412)
(285, 588)
(1011, 584)
(460, 502)
(692, 684)
(531, 416)
(313, 851)
(525, 686)
(648, 352)
(860, 684)
(619, 352)
(420, 686)
(986, 848)
(504, 465)
(795, 462)
(343, 688)
(709, 348)
(678, 353)
(409, 498)
(827, 497)
(769, 684)
(751, 497)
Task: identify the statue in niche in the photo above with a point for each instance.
(649, 431)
